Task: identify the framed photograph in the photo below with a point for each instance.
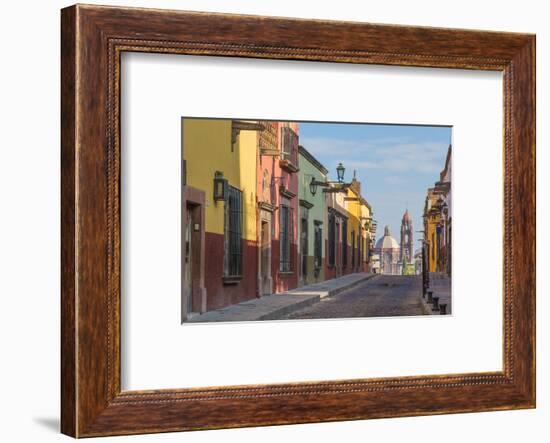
(267, 217)
(272, 221)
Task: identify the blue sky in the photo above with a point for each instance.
(396, 164)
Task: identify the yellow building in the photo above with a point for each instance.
(219, 213)
(432, 229)
(359, 219)
(369, 231)
(438, 222)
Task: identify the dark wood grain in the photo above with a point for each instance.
(68, 227)
(523, 223)
(93, 38)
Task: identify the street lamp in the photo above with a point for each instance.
(313, 186)
(340, 171)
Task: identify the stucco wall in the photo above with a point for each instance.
(207, 149)
(318, 211)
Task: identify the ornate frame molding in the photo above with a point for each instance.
(93, 39)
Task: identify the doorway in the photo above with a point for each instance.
(265, 258)
(193, 243)
(339, 248)
(189, 253)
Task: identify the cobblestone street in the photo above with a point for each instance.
(382, 296)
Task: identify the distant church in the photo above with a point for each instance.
(395, 258)
(388, 250)
(407, 245)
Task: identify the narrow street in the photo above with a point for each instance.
(382, 296)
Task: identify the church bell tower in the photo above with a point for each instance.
(407, 251)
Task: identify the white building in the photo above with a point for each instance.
(389, 252)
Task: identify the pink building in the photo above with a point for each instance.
(277, 190)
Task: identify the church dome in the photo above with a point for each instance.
(387, 242)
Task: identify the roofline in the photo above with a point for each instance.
(366, 203)
(312, 159)
(447, 161)
(362, 199)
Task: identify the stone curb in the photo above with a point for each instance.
(304, 297)
(291, 308)
(350, 286)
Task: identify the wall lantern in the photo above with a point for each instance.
(220, 185)
(313, 186)
(340, 171)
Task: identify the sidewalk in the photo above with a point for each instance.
(440, 284)
(273, 307)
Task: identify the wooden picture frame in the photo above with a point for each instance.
(92, 40)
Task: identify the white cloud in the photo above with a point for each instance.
(391, 154)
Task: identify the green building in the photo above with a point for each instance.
(407, 268)
(311, 219)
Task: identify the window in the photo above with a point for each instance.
(233, 256)
(353, 249)
(285, 235)
(331, 239)
(318, 245)
(344, 243)
(359, 248)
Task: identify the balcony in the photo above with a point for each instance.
(289, 150)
